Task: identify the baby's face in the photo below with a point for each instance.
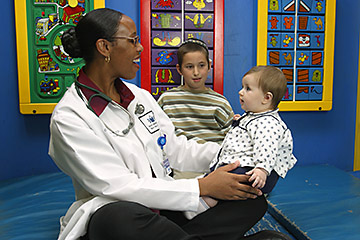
(251, 95)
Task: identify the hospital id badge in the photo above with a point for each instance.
(166, 166)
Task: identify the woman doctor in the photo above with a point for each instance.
(117, 145)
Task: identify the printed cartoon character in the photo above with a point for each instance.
(165, 4)
(164, 76)
(171, 41)
(304, 40)
(319, 6)
(316, 77)
(287, 94)
(287, 40)
(288, 22)
(165, 20)
(317, 40)
(303, 57)
(274, 5)
(273, 21)
(288, 58)
(318, 23)
(164, 57)
(198, 20)
(199, 4)
(273, 41)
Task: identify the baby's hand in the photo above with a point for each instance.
(258, 175)
(236, 116)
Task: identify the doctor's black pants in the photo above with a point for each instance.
(131, 221)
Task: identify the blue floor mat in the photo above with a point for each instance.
(319, 203)
(30, 208)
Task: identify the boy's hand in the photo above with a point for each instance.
(258, 175)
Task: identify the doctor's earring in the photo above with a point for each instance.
(107, 59)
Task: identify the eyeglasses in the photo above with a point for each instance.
(135, 40)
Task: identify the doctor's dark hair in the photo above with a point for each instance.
(192, 45)
(80, 41)
(271, 79)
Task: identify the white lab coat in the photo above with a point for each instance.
(105, 167)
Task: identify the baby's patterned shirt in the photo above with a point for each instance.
(259, 140)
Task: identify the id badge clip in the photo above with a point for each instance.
(165, 163)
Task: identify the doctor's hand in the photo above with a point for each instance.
(221, 184)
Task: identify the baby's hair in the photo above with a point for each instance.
(271, 79)
(192, 45)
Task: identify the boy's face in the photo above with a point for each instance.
(195, 70)
(252, 98)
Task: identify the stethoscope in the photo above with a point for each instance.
(138, 110)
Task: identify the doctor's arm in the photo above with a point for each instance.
(95, 166)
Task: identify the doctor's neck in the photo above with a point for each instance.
(100, 76)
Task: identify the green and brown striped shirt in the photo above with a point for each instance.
(199, 115)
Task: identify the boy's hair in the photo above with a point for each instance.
(271, 79)
(192, 45)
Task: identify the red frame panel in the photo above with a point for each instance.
(145, 34)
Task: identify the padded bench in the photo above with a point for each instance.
(314, 202)
(318, 202)
(30, 207)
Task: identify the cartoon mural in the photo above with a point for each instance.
(170, 26)
(55, 17)
(50, 70)
(295, 31)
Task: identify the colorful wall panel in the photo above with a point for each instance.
(298, 37)
(44, 69)
(164, 26)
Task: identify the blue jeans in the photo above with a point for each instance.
(271, 180)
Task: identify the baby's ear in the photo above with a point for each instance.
(268, 97)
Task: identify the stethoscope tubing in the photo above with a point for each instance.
(107, 99)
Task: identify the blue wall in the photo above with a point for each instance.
(319, 137)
